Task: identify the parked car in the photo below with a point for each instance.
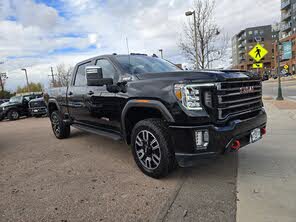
(265, 77)
(17, 106)
(37, 107)
(167, 115)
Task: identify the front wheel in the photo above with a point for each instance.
(59, 128)
(151, 148)
(13, 114)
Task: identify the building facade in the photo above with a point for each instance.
(287, 36)
(245, 40)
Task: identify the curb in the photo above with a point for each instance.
(162, 213)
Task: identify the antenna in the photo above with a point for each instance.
(128, 52)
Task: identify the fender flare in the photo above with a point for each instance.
(52, 101)
(144, 103)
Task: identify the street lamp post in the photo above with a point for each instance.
(208, 54)
(27, 79)
(161, 53)
(189, 13)
(280, 94)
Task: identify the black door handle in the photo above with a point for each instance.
(70, 93)
(90, 93)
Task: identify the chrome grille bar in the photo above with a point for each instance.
(238, 97)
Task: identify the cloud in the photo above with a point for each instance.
(43, 34)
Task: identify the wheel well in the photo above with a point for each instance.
(135, 115)
(52, 107)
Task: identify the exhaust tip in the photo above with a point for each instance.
(235, 145)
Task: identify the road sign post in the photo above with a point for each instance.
(280, 94)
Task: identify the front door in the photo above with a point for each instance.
(103, 106)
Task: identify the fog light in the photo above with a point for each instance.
(201, 139)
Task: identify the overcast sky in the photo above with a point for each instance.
(38, 34)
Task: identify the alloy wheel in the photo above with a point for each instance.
(15, 115)
(55, 125)
(148, 149)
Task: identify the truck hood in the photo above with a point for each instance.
(201, 75)
(6, 104)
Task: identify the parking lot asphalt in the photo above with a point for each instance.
(91, 178)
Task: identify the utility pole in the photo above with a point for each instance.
(28, 87)
(280, 94)
(3, 77)
(161, 53)
(52, 76)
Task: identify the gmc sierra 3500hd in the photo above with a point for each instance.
(167, 115)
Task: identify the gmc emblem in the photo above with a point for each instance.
(246, 89)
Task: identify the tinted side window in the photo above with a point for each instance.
(108, 69)
(80, 79)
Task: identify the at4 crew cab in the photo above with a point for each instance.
(167, 115)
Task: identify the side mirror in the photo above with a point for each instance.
(94, 76)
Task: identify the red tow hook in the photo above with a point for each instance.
(235, 145)
(263, 131)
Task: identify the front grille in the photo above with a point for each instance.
(237, 98)
(34, 104)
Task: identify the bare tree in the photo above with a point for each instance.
(211, 45)
(63, 75)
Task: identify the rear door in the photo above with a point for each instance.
(76, 94)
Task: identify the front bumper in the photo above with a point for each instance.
(220, 138)
(38, 111)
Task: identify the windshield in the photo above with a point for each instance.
(138, 64)
(16, 99)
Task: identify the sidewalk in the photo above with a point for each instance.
(283, 79)
(266, 182)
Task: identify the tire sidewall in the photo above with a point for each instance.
(163, 167)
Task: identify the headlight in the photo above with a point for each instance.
(189, 95)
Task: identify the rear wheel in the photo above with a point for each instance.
(152, 149)
(59, 128)
(13, 114)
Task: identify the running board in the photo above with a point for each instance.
(110, 135)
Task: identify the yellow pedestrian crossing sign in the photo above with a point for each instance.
(286, 67)
(258, 52)
(257, 65)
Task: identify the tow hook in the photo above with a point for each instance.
(235, 145)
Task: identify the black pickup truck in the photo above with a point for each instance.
(17, 106)
(167, 115)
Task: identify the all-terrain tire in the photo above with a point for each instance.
(60, 129)
(147, 135)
